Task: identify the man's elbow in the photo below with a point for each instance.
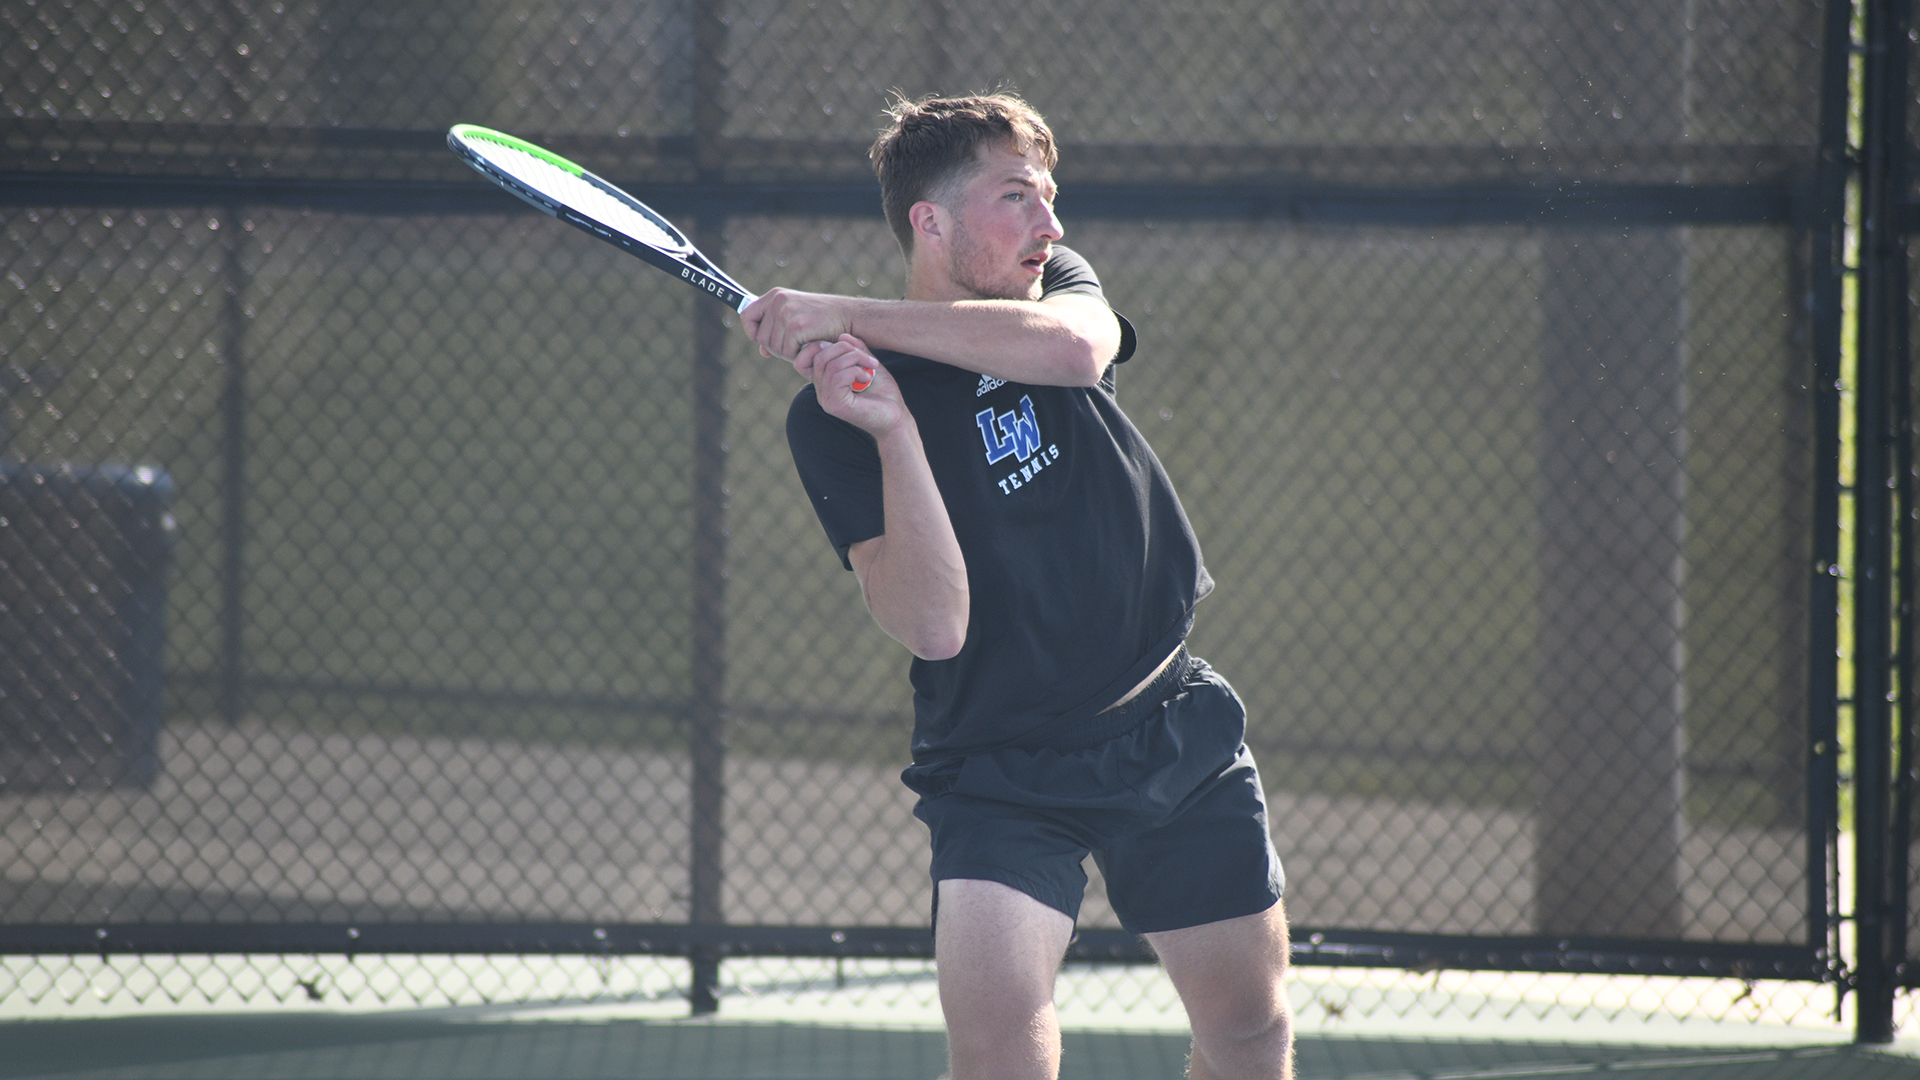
(941, 641)
(1091, 341)
(1084, 366)
(938, 632)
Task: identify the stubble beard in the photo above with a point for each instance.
(971, 268)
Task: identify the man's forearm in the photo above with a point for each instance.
(1061, 341)
(1066, 341)
(913, 576)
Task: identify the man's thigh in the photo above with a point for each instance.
(1236, 957)
(997, 950)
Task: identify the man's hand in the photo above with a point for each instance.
(784, 321)
(852, 384)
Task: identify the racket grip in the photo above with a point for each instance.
(862, 380)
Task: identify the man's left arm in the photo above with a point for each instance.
(1067, 339)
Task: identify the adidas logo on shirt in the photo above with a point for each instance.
(988, 384)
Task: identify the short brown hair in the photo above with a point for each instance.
(936, 141)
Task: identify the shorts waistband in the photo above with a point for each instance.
(1118, 721)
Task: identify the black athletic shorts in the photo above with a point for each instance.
(1162, 791)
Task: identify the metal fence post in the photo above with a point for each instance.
(233, 476)
(709, 644)
(1825, 287)
(1899, 366)
(1879, 902)
(938, 35)
(1612, 508)
(709, 657)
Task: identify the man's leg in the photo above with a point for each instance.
(1230, 975)
(997, 951)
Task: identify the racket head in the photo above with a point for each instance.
(568, 191)
(554, 185)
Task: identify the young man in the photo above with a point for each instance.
(1010, 526)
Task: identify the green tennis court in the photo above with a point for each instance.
(800, 1020)
(432, 1046)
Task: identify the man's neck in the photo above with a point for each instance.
(927, 281)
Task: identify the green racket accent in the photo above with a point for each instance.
(482, 134)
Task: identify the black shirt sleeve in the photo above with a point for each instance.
(840, 467)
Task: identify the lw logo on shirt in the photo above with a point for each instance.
(1009, 434)
(1015, 435)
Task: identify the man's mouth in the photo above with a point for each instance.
(1037, 261)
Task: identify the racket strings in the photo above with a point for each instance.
(578, 193)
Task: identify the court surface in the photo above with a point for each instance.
(432, 1045)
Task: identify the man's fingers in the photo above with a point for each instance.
(820, 353)
(853, 357)
(807, 363)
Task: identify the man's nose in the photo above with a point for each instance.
(1050, 228)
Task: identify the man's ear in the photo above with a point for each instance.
(931, 224)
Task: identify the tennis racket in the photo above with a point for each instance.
(558, 187)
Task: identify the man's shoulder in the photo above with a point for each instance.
(1068, 273)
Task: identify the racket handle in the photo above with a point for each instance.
(862, 380)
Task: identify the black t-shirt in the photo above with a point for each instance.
(1082, 567)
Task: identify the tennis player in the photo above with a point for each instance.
(1011, 527)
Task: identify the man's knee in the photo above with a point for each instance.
(1250, 1020)
(1231, 976)
(1250, 1036)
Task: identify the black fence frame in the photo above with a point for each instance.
(1815, 203)
(1883, 492)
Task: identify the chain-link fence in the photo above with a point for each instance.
(385, 568)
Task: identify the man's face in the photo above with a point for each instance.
(1003, 226)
